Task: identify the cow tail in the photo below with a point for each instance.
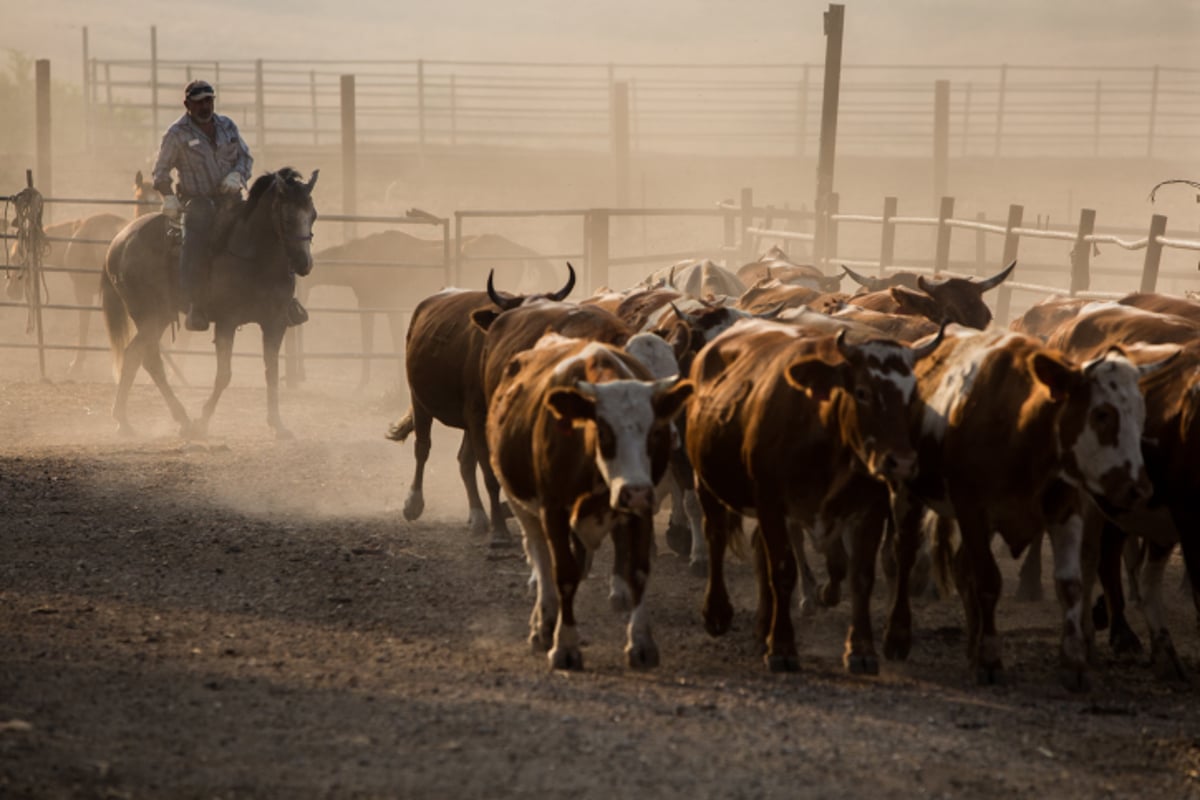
(116, 321)
(940, 534)
(401, 428)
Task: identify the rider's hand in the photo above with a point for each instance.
(233, 183)
(171, 208)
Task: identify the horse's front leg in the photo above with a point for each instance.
(223, 339)
(272, 339)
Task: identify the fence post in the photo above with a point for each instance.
(597, 247)
(747, 198)
(456, 267)
(941, 258)
(887, 236)
(42, 113)
(831, 229)
(941, 137)
(834, 18)
(802, 115)
(86, 97)
(453, 111)
(620, 142)
(153, 79)
(421, 109)
(349, 153)
(1081, 253)
(966, 120)
(1011, 242)
(1158, 226)
(260, 108)
(731, 240)
(312, 97)
(980, 245)
(1153, 113)
(1000, 108)
(1096, 123)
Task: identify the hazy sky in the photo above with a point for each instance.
(1119, 32)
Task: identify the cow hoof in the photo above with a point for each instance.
(643, 656)
(620, 601)
(1075, 679)
(500, 541)
(414, 506)
(989, 674)
(1125, 642)
(1100, 614)
(831, 594)
(861, 663)
(1167, 666)
(896, 646)
(679, 539)
(541, 641)
(1029, 592)
(569, 658)
(807, 606)
(718, 619)
(506, 511)
(698, 567)
(782, 662)
(477, 522)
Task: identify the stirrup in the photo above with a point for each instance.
(296, 313)
(196, 320)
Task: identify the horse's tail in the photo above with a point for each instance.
(116, 321)
(399, 430)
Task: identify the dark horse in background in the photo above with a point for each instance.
(252, 279)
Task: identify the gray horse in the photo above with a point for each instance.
(252, 279)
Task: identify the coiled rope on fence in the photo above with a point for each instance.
(32, 245)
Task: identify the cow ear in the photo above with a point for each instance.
(569, 404)
(680, 339)
(814, 377)
(669, 402)
(484, 317)
(1059, 377)
(915, 302)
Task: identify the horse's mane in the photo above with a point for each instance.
(287, 175)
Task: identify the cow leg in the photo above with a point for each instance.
(678, 534)
(638, 535)
(545, 604)
(224, 344)
(1121, 637)
(1029, 579)
(477, 520)
(477, 431)
(1133, 555)
(1162, 650)
(807, 600)
(1188, 525)
(1066, 538)
(906, 521)
(422, 422)
(780, 574)
(980, 583)
(860, 657)
(565, 654)
(718, 521)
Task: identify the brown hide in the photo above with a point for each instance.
(769, 293)
(1042, 319)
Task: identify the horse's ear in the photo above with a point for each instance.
(137, 179)
(312, 181)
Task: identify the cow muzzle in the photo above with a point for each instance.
(1124, 491)
(895, 466)
(633, 498)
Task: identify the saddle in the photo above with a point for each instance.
(227, 211)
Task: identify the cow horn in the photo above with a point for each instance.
(562, 293)
(772, 312)
(503, 303)
(671, 277)
(678, 313)
(931, 345)
(861, 280)
(998, 278)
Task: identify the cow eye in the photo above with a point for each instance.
(862, 394)
(1102, 417)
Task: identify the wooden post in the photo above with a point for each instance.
(1081, 278)
(887, 236)
(620, 142)
(45, 179)
(731, 240)
(1096, 123)
(86, 96)
(456, 268)
(941, 258)
(421, 109)
(1000, 108)
(153, 80)
(941, 137)
(834, 19)
(1158, 226)
(1153, 113)
(260, 109)
(966, 120)
(349, 153)
(747, 207)
(980, 245)
(1011, 241)
(802, 115)
(831, 229)
(453, 111)
(597, 248)
(312, 98)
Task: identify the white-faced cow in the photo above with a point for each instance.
(579, 435)
(1010, 436)
(799, 432)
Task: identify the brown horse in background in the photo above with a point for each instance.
(252, 279)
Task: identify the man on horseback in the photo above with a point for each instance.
(213, 163)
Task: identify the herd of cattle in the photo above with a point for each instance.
(895, 419)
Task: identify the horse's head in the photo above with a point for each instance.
(147, 197)
(292, 213)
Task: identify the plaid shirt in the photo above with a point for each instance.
(200, 165)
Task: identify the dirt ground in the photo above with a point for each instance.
(252, 618)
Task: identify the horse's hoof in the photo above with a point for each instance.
(861, 663)
(414, 506)
(643, 656)
(477, 521)
(568, 658)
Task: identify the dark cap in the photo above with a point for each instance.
(198, 90)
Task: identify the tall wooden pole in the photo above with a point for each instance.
(156, 132)
(941, 139)
(620, 141)
(829, 112)
(349, 153)
(44, 182)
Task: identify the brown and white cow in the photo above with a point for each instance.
(1010, 436)
(444, 361)
(957, 300)
(800, 432)
(579, 435)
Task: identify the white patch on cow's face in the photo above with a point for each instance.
(883, 354)
(1114, 390)
(587, 352)
(624, 417)
(959, 376)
